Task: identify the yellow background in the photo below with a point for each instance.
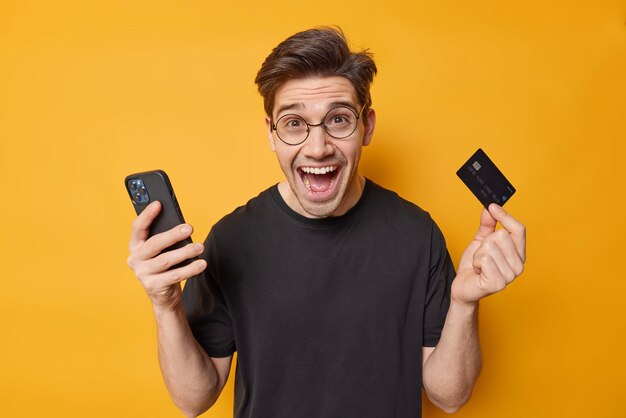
(91, 91)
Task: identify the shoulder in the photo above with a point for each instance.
(389, 203)
(253, 215)
(403, 215)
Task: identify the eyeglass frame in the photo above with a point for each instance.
(322, 124)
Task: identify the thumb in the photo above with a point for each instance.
(487, 225)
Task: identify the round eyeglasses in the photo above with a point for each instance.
(340, 122)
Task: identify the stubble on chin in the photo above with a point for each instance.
(314, 209)
(320, 210)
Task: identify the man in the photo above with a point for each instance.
(339, 296)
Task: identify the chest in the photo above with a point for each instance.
(333, 283)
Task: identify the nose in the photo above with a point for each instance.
(318, 145)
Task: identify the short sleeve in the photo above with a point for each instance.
(440, 277)
(206, 309)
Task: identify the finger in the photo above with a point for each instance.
(157, 243)
(512, 225)
(505, 243)
(491, 279)
(141, 225)
(168, 259)
(490, 251)
(177, 275)
(487, 225)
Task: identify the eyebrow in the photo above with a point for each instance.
(300, 105)
(290, 106)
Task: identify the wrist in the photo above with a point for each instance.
(168, 300)
(469, 308)
(167, 310)
(464, 291)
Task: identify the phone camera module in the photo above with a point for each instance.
(138, 192)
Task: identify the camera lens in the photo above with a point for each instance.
(132, 185)
(137, 197)
(142, 190)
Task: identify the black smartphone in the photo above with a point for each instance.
(143, 189)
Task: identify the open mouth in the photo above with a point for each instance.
(319, 180)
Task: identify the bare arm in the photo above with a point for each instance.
(492, 261)
(451, 369)
(193, 380)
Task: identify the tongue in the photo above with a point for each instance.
(319, 182)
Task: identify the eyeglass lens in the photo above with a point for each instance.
(340, 122)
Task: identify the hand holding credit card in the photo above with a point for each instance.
(495, 257)
(485, 180)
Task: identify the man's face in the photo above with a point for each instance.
(322, 171)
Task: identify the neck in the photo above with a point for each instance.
(350, 198)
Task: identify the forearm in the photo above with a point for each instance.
(453, 367)
(189, 374)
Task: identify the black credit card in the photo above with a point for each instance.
(484, 179)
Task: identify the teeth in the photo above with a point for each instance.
(319, 170)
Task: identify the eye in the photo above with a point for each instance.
(339, 117)
(291, 122)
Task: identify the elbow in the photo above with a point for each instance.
(192, 411)
(195, 401)
(192, 414)
(452, 404)
(451, 409)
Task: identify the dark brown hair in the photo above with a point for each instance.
(320, 52)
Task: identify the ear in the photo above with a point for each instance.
(270, 133)
(370, 124)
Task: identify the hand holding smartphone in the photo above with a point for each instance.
(162, 253)
(143, 189)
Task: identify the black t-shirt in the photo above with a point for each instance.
(328, 316)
